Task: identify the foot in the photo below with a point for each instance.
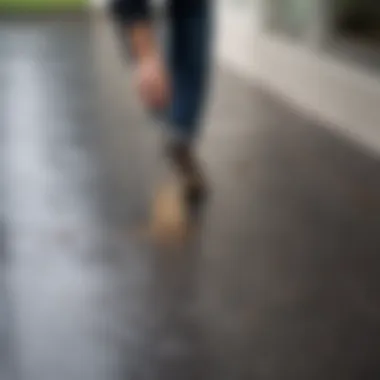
(189, 170)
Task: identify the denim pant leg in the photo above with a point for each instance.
(189, 59)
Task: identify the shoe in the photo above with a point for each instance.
(189, 170)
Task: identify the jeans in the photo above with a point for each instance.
(186, 45)
(188, 51)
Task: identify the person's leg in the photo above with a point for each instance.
(189, 61)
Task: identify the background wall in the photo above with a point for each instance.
(340, 93)
(98, 3)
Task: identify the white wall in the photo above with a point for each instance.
(339, 93)
(98, 4)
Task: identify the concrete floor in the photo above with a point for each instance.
(281, 283)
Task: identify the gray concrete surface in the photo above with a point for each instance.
(281, 282)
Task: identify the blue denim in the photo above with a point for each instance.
(188, 55)
(186, 45)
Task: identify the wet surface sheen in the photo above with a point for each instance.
(281, 283)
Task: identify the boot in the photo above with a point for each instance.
(189, 170)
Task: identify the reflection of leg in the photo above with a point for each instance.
(169, 225)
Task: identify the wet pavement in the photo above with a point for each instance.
(281, 282)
